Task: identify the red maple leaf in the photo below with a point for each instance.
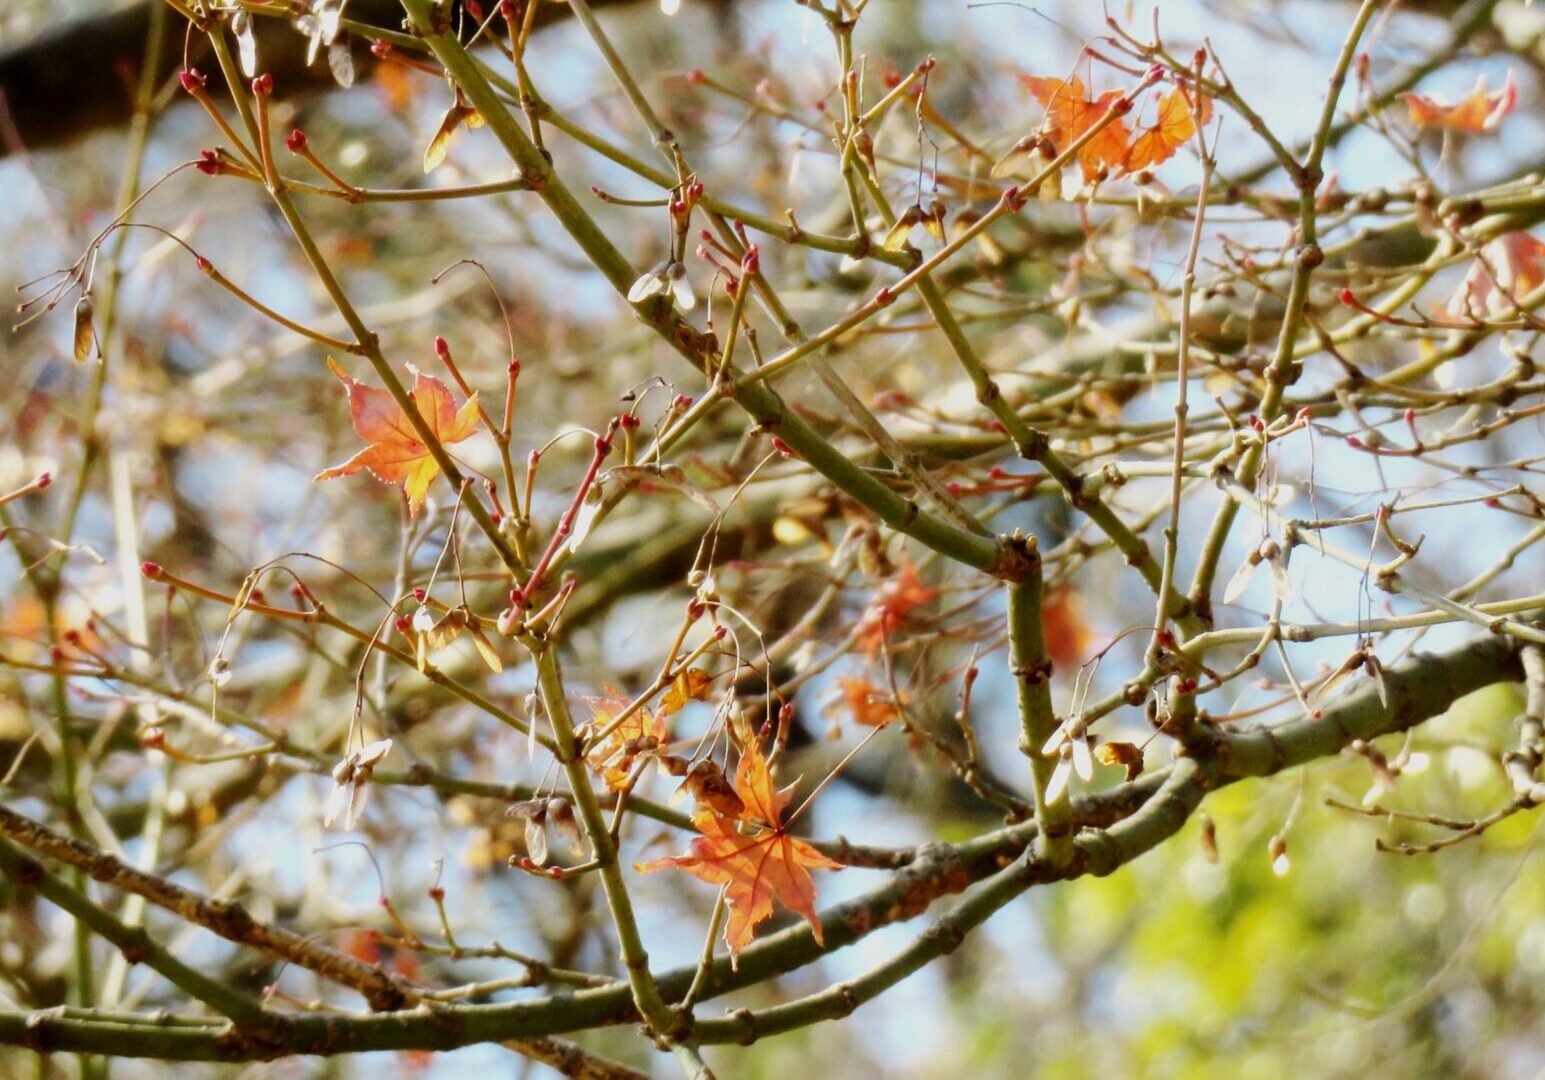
(891, 607)
(867, 703)
(753, 854)
(395, 454)
(1070, 113)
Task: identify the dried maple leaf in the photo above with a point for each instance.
(1477, 113)
(395, 454)
(690, 685)
(639, 733)
(1177, 122)
(1070, 113)
(1124, 754)
(1508, 269)
(708, 785)
(760, 867)
(891, 607)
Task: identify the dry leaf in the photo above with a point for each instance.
(1067, 633)
(866, 703)
(708, 785)
(690, 685)
(1124, 754)
(615, 756)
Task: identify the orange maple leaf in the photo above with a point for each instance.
(1479, 112)
(395, 454)
(892, 606)
(867, 703)
(759, 867)
(613, 759)
(1507, 269)
(690, 685)
(1177, 121)
(1067, 633)
(1070, 113)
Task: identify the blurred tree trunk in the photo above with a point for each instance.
(78, 78)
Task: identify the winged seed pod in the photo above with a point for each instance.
(85, 327)
(351, 784)
(246, 41)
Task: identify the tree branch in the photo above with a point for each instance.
(1116, 826)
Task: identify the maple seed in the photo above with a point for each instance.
(351, 779)
(296, 141)
(192, 80)
(151, 570)
(85, 329)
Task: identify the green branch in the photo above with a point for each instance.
(1423, 687)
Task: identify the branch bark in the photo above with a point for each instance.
(1115, 827)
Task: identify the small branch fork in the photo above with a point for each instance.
(874, 472)
(1105, 831)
